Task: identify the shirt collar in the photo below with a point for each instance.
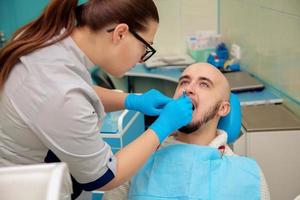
(218, 141)
(72, 46)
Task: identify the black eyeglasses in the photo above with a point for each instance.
(150, 51)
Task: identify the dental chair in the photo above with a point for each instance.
(35, 182)
(231, 123)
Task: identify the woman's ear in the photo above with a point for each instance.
(120, 32)
(224, 108)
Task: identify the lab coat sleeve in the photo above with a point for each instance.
(68, 124)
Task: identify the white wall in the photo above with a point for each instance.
(181, 17)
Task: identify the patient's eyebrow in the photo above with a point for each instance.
(184, 77)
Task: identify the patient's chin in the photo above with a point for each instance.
(190, 128)
(196, 125)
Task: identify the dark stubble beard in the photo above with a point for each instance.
(209, 115)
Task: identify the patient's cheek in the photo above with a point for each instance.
(196, 116)
(175, 96)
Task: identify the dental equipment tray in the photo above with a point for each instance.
(269, 117)
(243, 81)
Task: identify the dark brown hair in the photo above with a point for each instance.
(59, 14)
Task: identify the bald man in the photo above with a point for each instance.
(171, 171)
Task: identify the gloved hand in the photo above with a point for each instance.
(176, 114)
(150, 103)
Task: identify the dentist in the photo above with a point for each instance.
(49, 109)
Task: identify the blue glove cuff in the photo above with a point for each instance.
(160, 130)
(130, 102)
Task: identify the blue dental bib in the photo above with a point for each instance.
(192, 172)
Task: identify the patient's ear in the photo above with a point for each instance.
(224, 108)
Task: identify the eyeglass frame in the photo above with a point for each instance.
(138, 37)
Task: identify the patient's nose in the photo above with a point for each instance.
(190, 90)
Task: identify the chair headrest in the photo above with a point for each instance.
(231, 123)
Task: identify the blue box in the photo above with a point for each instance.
(122, 127)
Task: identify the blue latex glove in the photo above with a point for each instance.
(150, 103)
(176, 114)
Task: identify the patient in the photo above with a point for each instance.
(195, 162)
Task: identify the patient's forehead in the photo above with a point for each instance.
(199, 71)
(203, 70)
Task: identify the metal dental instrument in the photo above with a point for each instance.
(184, 94)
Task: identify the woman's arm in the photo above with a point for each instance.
(129, 159)
(112, 100)
(120, 193)
(132, 157)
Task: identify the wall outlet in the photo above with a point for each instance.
(235, 51)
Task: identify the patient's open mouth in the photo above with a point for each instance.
(194, 104)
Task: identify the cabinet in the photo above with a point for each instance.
(271, 136)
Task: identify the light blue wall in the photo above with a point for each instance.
(268, 33)
(15, 13)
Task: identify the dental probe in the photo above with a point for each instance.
(184, 94)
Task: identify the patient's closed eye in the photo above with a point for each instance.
(183, 82)
(204, 84)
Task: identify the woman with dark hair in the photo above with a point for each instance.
(49, 110)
